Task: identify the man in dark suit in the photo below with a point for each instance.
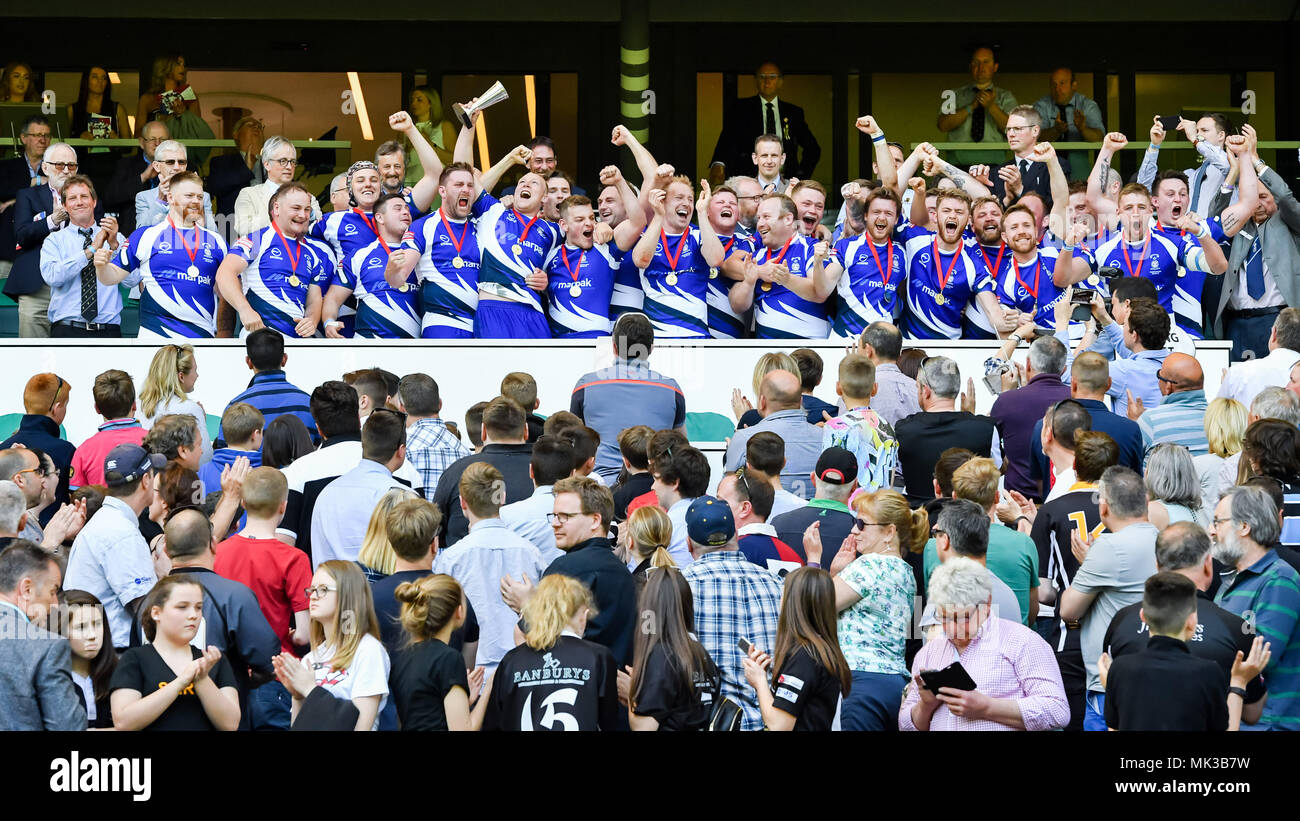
(36, 685)
(231, 173)
(23, 171)
(1024, 174)
(751, 117)
(133, 174)
(38, 212)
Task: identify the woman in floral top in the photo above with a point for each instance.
(874, 592)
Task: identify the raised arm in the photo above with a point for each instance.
(1097, 199)
(427, 186)
(920, 214)
(464, 150)
(489, 178)
(710, 245)
(1147, 171)
(629, 230)
(913, 164)
(644, 251)
(884, 157)
(964, 182)
(645, 161)
(1235, 216)
(1060, 187)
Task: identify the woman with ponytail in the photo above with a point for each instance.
(874, 594)
(167, 389)
(555, 680)
(429, 682)
(674, 682)
(649, 532)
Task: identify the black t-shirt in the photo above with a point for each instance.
(638, 484)
(1219, 635)
(388, 610)
(1164, 687)
(143, 670)
(807, 690)
(422, 676)
(922, 437)
(665, 697)
(571, 686)
(594, 564)
(1051, 530)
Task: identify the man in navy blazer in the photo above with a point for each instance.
(1023, 127)
(752, 117)
(36, 686)
(38, 212)
(18, 173)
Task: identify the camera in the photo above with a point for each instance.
(1109, 272)
(993, 370)
(1082, 302)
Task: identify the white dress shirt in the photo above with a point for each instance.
(527, 517)
(1244, 380)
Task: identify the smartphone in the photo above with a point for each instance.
(744, 645)
(1170, 123)
(1081, 297)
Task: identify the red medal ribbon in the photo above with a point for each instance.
(564, 257)
(1038, 272)
(944, 276)
(293, 259)
(1141, 259)
(884, 272)
(528, 226)
(995, 267)
(373, 225)
(197, 241)
(457, 243)
(681, 243)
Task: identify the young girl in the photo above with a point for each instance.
(347, 658)
(555, 680)
(93, 658)
(649, 532)
(674, 682)
(430, 685)
(811, 673)
(169, 684)
(172, 375)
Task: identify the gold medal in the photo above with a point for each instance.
(671, 279)
(193, 270)
(406, 286)
(1182, 272)
(767, 286)
(518, 249)
(575, 291)
(1094, 280)
(713, 273)
(939, 300)
(457, 262)
(294, 281)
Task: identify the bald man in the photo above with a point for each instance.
(780, 403)
(1180, 417)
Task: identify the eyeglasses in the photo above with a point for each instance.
(36, 470)
(286, 162)
(62, 166)
(319, 592)
(1160, 376)
(1216, 521)
(755, 197)
(743, 479)
(934, 532)
(562, 518)
(57, 390)
(38, 135)
(1016, 129)
(180, 163)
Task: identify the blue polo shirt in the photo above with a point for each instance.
(272, 394)
(1267, 596)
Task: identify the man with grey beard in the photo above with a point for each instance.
(1265, 592)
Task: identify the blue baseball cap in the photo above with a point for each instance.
(709, 522)
(128, 463)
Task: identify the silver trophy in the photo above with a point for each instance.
(491, 97)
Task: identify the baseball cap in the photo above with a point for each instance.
(709, 522)
(837, 466)
(128, 463)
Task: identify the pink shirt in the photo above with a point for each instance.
(1006, 660)
(88, 461)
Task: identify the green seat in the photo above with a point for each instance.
(708, 427)
(9, 423)
(214, 425)
(8, 316)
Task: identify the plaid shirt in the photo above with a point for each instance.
(1006, 660)
(734, 599)
(430, 449)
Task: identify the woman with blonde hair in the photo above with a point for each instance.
(347, 658)
(874, 593)
(649, 532)
(167, 388)
(430, 120)
(430, 686)
(768, 362)
(377, 558)
(1225, 427)
(572, 683)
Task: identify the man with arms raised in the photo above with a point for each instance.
(272, 278)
